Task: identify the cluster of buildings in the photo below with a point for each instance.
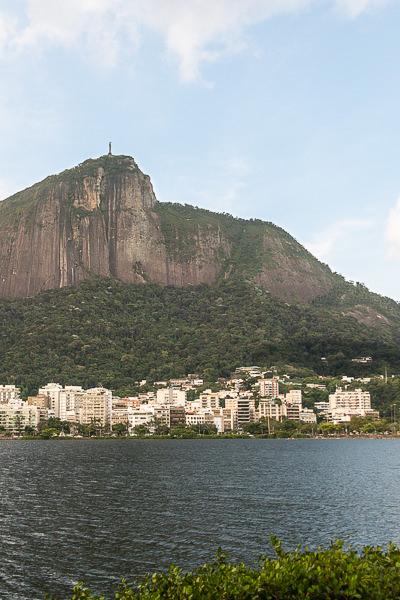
(346, 404)
(168, 405)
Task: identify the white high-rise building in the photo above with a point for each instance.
(354, 400)
(294, 397)
(269, 388)
(171, 396)
(140, 415)
(69, 402)
(95, 405)
(345, 404)
(53, 392)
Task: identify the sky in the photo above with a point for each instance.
(282, 110)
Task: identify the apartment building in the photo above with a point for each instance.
(269, 388)
(40, 401)
(140, 415)
(69, 402)
(210, 400)
(9, 394)
(176, 416)
(95, 405)
(294, 397)
(15, 420)
(345, 404)
(357, 400)
(173, 396)
(269, 408)
(307, 416)
(53, 392)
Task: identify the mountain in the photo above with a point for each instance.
(102, 218)
(100, 283)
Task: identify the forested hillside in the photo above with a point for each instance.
(110, 333)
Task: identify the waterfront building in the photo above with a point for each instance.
(175, 416)
(242, 412)
(229, 419)
(69, 402)
(161, 416)
(119, 412)
(14, 420)
(219, 421)
(293, 411)
(95, 405)
(345, 404)
(140, 415)
(293, 402)
(200, 417)
(194, 418)
(53, 392)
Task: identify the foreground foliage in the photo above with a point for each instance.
(336, 573)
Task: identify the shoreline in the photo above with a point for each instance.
(203, 438)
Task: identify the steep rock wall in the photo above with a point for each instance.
(103, 218)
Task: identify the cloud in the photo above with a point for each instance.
(194, 31)
(392, 233)
(354, 8)
(326, 242)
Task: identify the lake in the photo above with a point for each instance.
(101, 510)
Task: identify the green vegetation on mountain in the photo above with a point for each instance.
(181, 225)
(336, 573)
(106, 332)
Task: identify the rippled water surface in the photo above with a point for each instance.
(100, 510)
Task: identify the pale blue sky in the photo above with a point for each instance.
(285, 110)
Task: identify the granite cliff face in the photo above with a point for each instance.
(102, 218)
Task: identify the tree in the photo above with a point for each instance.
(121, 429)
(55, 424)
(18, 423)
(29, 430)
(141, 430)
(329, 428)
(204, 429)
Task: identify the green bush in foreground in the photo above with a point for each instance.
(337, 572)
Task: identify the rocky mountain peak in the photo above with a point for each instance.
(102, 218)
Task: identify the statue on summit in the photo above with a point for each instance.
(109, 149)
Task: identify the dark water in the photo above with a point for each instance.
(100, 510)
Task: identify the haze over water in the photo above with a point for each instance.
(101, 510)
